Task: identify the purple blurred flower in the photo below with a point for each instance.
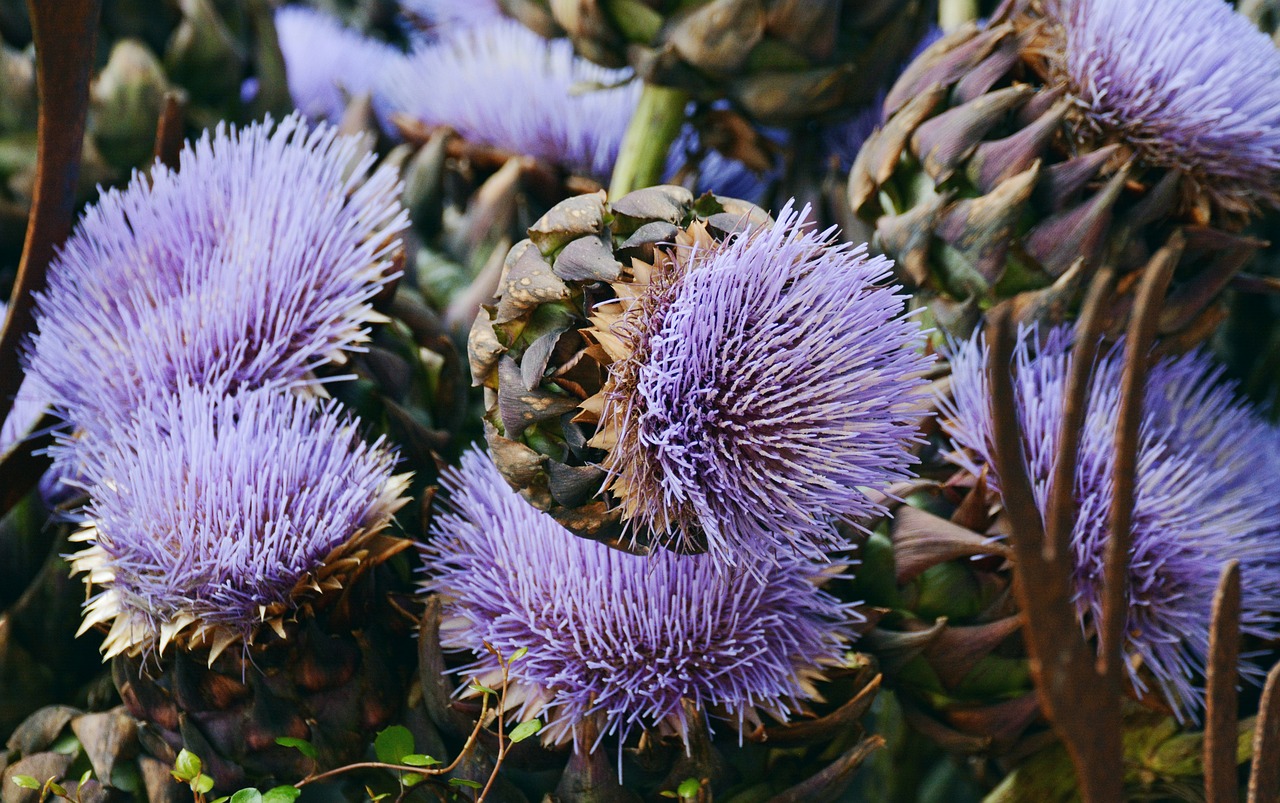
(617, 636)
(504, 86)
(769, 386)
(1195, 86)
(27, 410)
(327, 63)
(213, 514)
(1198, 501)
(252, 266)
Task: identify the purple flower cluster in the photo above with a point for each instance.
(252, 266)
(504, 86)
(1198, 501)
(1195, 86)
(622, 638)
(776, 381)
(327, 64)
(27, 410)
(212, 513)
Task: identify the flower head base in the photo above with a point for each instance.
(758, 386)
(253, 266)
(506, 87)
(327, 64)
(1195, 87)
(1197, 503)
(624, 638)
(213, 516)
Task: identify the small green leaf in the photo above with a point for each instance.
(26, 782)
(520, 653)
(393, 744)
(688, 788)
(375, 798)
(202, 784)
(222, 799)
(667, 793)
(187, 766)
(419, 760)
(483, 689)
(247, 796)
(57, 788)
(524, 730)
(85, 777)
(412, 779)
(301, 745)
(281, 794)
(466, 782)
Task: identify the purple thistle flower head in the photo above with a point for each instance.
(326, 63)
(623, 638)
(252, 266)
(1198, 502)
(1195, 86)
(212, 515)
(772, 379)
(504, 86)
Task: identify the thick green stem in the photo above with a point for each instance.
(653, 128)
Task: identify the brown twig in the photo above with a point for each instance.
(1221, 704)
(65, 33)
(1264, 778)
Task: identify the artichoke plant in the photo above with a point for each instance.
(1017, 156)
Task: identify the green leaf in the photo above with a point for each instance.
(301, 745)
(524, 730)
(466, 782)
(85, 777)
(688, 788)
(393, 744)
(411, 778)
(520, 653)
(375, 798)
(247, 796)
(419, 760)
(187, 766)
(26, 782)
(483, 689)
(222, 799)
(57, 788)
(281, 794)
(202, 784)
(667, 793)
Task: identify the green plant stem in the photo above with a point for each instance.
(645, 146)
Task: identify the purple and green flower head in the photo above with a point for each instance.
(214, 516)
(627, 640)
(1198, 501)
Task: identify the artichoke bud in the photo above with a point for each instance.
(126, 101)
(17, 89)
(204, 56)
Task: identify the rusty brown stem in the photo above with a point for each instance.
(1221, 704)
(1264, 778)
(1137, 356)
(1061, 513)
(1083, 706)
(169, 130)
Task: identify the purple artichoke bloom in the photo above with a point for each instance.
(619, 637)
(326, 63)
(503, 86)
(769, 386)
(212, 515)
(1195, 87)
(27, 410)
(1198, 501)
(253, 265)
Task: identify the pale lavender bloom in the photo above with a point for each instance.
(1195, 86)
(1200, 500)
(777, 380)
(252, 265)
(504, 86)
(621, 637)
(212, 513)
(326, 63)
(26, 411)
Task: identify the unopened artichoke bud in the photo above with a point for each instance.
(204, 56)
(126, 100)
(1016, 157)
(780, 60)
(17, 89)
(688, 374)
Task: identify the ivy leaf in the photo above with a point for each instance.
(393, 744)
(524, 730)
(301, 745)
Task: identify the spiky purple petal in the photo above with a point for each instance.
(326, 63)
(504, 86)
(618, 636)
(213, 508)
(781, 380)
(251, 266)
(1198, 499)
(26, 411)
(1195, 86)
